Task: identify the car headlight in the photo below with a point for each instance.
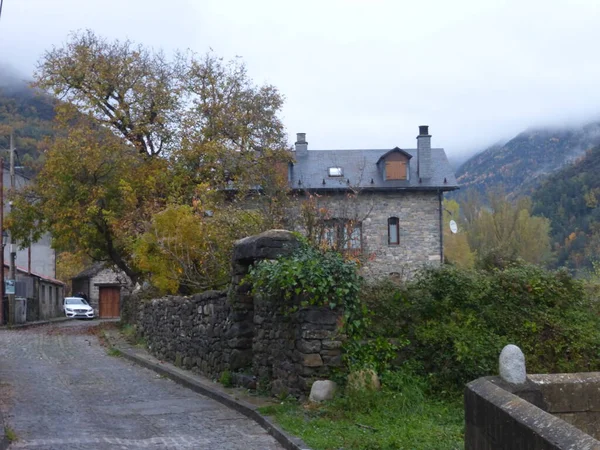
(68, 310)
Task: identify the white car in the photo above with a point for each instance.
(77, 307)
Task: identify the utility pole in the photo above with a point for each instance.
(13, 253)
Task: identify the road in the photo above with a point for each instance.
(59, 389)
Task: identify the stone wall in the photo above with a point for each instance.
(293, 350)
(419, 218)
(233, 331)
(189, 331)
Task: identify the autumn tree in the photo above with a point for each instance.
(456, 245)
(130, 89)
(94, 195)
(140, 136)
(502, 231)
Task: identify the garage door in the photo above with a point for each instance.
(110, 298)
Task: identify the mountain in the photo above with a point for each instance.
(26, 112)
(570, 198)
(519, 165)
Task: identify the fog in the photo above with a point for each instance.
(363, 74)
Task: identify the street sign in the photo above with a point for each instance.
(9, 287)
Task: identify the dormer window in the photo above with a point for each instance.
(335, 172)
(394, 165)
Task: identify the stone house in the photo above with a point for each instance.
(103, 287)
(384, 204)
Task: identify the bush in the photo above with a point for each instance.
(459, 320)
(312, 277)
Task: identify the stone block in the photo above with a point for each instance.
(240, 342)
(312, 360)
(268, 245)
(320, 316)
(309, 346)
(240, 329)
(322, 390)
(317, 334)
(333, 361)
(240, 359)
(331, 345)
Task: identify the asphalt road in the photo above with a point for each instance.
(59, 389)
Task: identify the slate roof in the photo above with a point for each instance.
(90, 271)
(361, 171)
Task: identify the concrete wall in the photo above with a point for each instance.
(500, 416)
(419, 218)
(573, 397)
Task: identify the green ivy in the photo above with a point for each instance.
(313, 277)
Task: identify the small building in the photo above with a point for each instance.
(43, 295)
(103, 286)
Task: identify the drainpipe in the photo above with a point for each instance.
(441, 196)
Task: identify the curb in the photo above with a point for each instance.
(33, 324)
(288, 442)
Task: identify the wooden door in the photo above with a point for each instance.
(110, 299)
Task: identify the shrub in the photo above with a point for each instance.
(226, 379)
(312, 277)
(459, 320)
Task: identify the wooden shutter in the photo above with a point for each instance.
(395, 170)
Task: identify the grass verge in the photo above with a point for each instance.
(399, 416)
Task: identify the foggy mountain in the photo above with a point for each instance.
(25, 111)
(520, 164)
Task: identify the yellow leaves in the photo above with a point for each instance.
(186, 250)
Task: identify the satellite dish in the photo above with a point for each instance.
(453, 227)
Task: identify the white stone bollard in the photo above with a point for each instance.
(512, 365)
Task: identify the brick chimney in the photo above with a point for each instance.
(301, 144)
(424, 153)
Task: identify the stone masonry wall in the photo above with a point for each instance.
(189, 331)
(105, 276)
(293, 350)
(232, 331)
(419, 217)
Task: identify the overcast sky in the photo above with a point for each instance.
(364, 73)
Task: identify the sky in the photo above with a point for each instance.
(363, 73)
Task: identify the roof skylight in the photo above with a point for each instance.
(336, 172)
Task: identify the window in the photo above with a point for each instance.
(335, 172)
(393, 231)
(343, 235)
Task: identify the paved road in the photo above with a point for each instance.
(60, 390)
